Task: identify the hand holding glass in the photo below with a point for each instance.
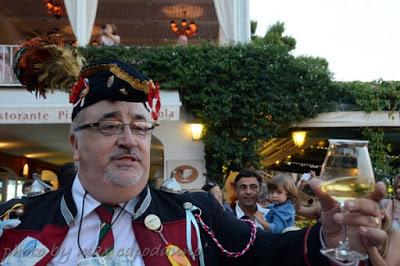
(346, 174)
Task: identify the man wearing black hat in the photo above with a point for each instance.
(110, 215)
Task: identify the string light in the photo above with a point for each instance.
(314, 166)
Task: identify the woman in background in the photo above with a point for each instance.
(392, 206)
(108, 35)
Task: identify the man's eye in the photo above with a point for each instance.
(141, 127)
(138, 128)
(110, 126)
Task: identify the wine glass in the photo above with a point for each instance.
(346, 174)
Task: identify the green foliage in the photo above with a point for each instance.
(274, 36)
(378, 151)
(370, 96)
(246, 94)
(303, 223)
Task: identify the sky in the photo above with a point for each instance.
(359, 38)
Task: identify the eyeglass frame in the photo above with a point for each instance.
(148, 132)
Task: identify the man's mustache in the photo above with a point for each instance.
(134, 154)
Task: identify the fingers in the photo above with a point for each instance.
(363, 216)
(365, 206)
(373, 236)
(360, 212)
(258, 214)
(356, 219)
(327, 202)
(379, 193)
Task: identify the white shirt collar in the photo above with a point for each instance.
(78, 194)
(240, 213)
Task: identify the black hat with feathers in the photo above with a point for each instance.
(44, 65)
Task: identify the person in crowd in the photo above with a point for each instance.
(26, 187)
(311, 210)
(247, 187)
(110, 215)
(387, 255)
(392, 206)
(283, 194)
(215, 189)
(108, 35)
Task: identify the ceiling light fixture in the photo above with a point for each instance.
(299, 137)
(185, 28)
(25, 170)
(55, 8)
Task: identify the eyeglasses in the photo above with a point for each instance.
(113, 127)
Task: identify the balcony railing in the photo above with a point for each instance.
(7, 77)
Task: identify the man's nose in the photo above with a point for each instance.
(127, 138)
(248, 190)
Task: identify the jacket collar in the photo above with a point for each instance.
(144, 202)
(67, 205)
(69, 210)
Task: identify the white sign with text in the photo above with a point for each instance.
(60, 114)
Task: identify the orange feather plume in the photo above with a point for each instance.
(45, 64)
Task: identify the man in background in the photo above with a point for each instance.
(248, 186)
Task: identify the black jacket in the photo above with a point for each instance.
(47, 217)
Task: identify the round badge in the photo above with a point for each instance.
(187, 205)
(152, 222)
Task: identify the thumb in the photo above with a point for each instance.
(327, 202)
(379, 192)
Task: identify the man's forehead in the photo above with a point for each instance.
(118, 109)
(248, 180)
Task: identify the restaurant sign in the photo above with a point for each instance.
(60, 114)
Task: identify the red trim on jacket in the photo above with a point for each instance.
(152, 246)
(305, 248)
(51, 236)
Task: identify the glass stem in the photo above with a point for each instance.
(345, 238)
(342, 251)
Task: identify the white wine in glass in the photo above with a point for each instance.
(346, 174)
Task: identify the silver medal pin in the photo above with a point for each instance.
(152, 222)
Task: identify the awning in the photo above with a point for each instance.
(17, 106)
(352, 119)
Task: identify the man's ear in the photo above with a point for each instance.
(74, 144)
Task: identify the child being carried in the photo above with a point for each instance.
(283, 195)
